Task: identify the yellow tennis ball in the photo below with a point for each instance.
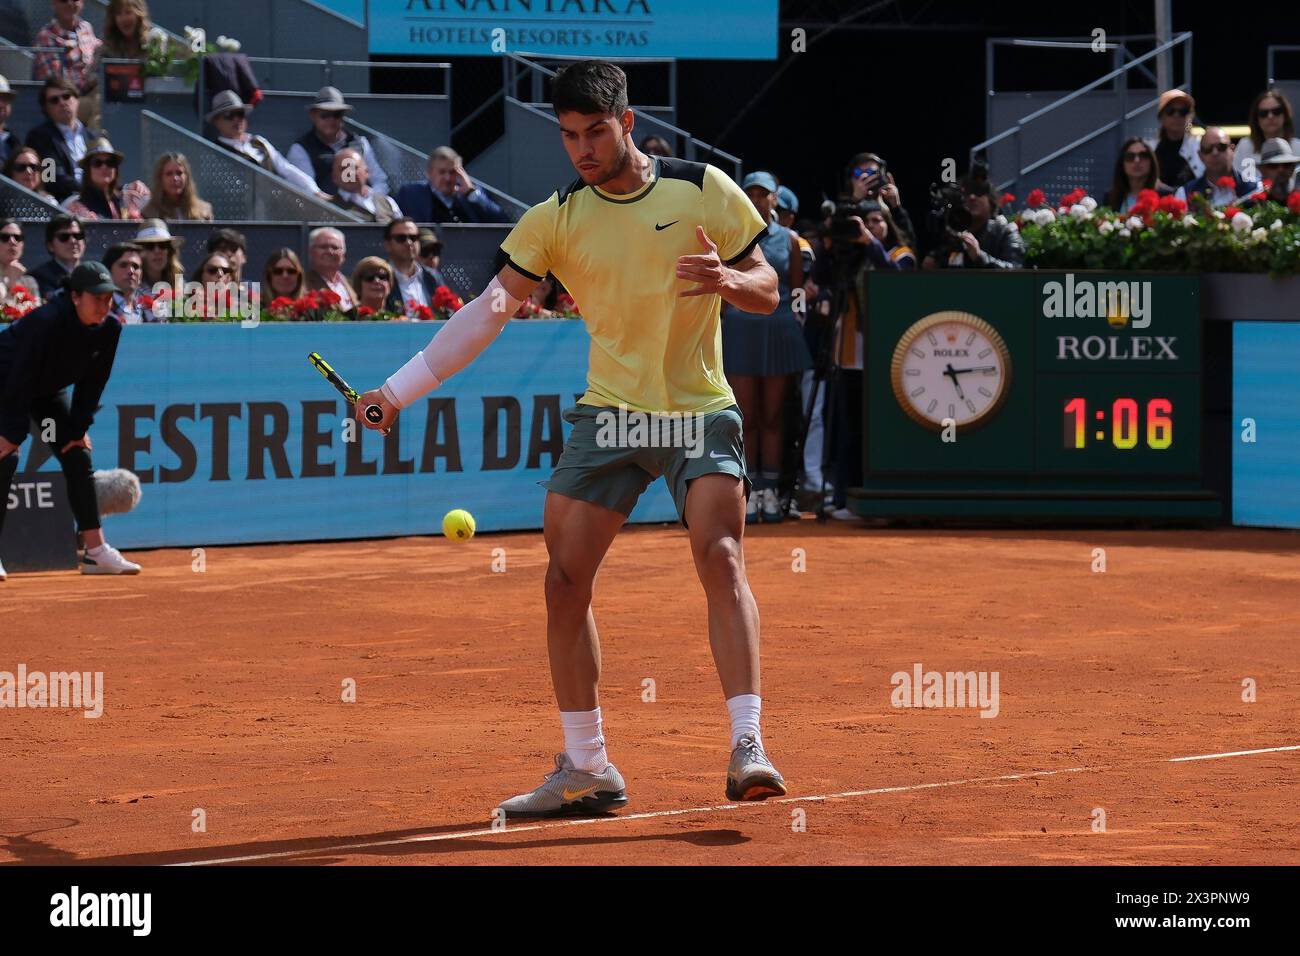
(458, 525)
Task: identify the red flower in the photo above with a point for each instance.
(1174, 206)
(22, 295)
(11, 312)
(422, 312)
(1230, 212)
(330, 297)
(1260, 196)
(1225, 182)
(1293, 203)
(1267, 185)
(1072, 197)
(1035, 198)
(146, 300)
(1007, 198)
(281, 302)
(364, 312)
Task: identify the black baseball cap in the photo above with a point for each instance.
(92, 277)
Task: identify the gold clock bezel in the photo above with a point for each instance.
(947, 317)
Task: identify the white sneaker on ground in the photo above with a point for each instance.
(2, 572)
(108, 561)
(844, 514)
(751, 506)
(771, 505)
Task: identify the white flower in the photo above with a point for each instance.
(1218, 214)
(1044, 217)
(1277, 225)
(1259, 235)
(1088, 203)
(1134, 222)
(1190, 222)
(1014, 226)
(1106, 228)
(1125, 233)
(1241, 222)
(1079, 212)
(191, 32)
(229, 44)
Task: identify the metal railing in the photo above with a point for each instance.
(19, 202)
(405, 164)
(1083, 168)
(236, 188)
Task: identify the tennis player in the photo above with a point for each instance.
(649, 247)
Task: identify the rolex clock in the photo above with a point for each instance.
(951, 365)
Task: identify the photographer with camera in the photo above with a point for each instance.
(870, 179)
(969, 236)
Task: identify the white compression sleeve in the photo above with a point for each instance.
(467, 333)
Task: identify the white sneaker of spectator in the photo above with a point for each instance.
(106, 559)
(844, 514)
(2, 572)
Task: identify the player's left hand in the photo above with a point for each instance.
(82, 442)
(707, 269)
(375, 397)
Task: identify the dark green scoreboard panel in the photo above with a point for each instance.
(1033, 394)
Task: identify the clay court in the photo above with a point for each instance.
(223, 692)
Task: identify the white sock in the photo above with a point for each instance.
(583, 740)
(96, 551)
(745, 710)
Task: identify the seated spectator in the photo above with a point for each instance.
(1177, 149)
(415, 283)
(231, 244)
(24, 168)
(173, 193)
(448, 194)
(160, 253)
(216, 274)
(282, 277)
(101, 197)
(787, 206)
(315, 151)
(373, 280)
(1136, 169)
(229, 115)
(125, 263)
(12, 271)
(129, 32)
(9, 141)
(989, 243)
(868, 178)
(1271, 117)
(71, 45)
(65, 240)
(880, 224)
(326, 252)
(430, 252)
(1277, 163)
(350, 175)
(655, 146)
(62, 137)
(1219, 184)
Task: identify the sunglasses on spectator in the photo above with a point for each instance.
(1177, 111)
(70, 236)
(100, 163)
(60, 98)
(218, 271)
(1134, 157)
(404, 237)
(860, 171)
(372, 276)
(11, 236)
(234, 115)
(1271, 111)
(26, 167)
(284, 271)
(1216, 148)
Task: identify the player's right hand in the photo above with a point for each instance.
(375, 397)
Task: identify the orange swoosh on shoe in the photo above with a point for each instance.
(576, 794)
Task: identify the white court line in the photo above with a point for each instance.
(1234, 753)
(654, 814)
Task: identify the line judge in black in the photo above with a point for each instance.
(68, 343)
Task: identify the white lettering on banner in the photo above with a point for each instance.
(43, 492)
(1137, 348)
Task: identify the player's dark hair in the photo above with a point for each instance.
(394, 223)
(118, 250)
(590, 86)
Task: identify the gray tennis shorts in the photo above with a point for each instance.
(613, 454)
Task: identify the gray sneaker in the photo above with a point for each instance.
(751, 775)
(568, 792)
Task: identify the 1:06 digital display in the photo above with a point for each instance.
(1121, 423)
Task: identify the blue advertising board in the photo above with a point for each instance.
(687, 29)
(238, 439)
(1265, 449)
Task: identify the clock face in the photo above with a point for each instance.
(951, 365)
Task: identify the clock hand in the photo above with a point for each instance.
(952, 374)
(980, 368)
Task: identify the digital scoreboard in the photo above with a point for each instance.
(1033, 393)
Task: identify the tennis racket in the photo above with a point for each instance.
(374, 414)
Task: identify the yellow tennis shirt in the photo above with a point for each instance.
(617, 256)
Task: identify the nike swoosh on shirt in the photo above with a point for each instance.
(714, 454)
(575, 794)
(659, 228)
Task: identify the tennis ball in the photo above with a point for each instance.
(458, 525)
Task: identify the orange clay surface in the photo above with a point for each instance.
(222, 692)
